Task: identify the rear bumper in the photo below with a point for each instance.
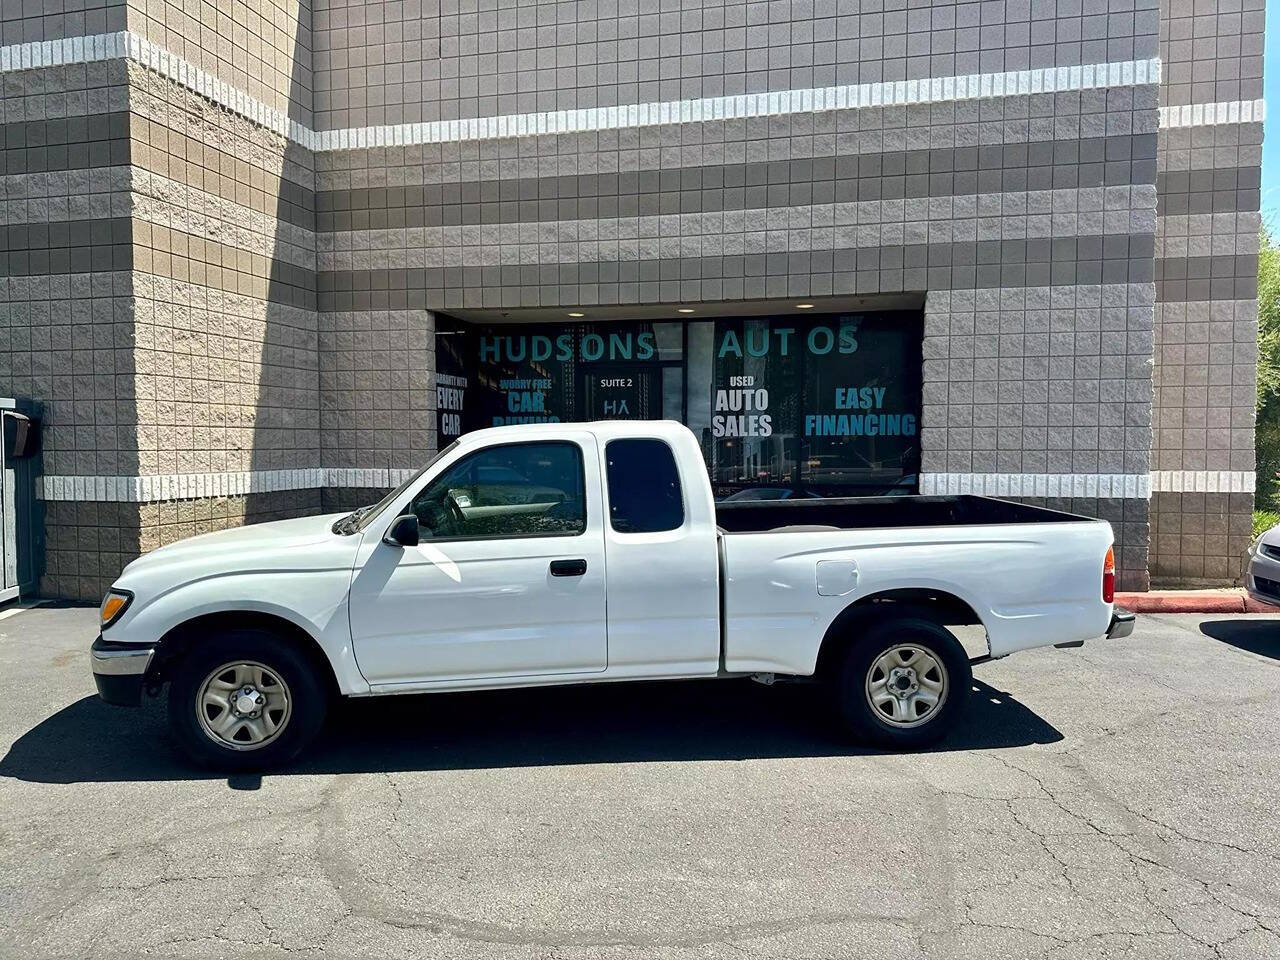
(119, 670)
(1122, 622)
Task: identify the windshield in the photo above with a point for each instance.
(362, 517)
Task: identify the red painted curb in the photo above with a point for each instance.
(1178, 601)
(1173, 603)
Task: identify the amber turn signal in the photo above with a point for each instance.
(113, 604)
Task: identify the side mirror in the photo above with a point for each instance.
(403, 532)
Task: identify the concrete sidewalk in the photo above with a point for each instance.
(1221, 600)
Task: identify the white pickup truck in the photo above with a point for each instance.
(582, 553)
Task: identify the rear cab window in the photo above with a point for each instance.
(644, 486)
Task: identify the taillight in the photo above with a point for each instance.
(1109, 576)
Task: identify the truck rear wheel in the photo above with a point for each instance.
(245, 700)
(903, 684)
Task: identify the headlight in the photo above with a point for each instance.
(113, 606)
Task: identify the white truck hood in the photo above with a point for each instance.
(300, 543)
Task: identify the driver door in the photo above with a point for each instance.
(507, 579)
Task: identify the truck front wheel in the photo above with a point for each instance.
(245, 700)
(903, 683)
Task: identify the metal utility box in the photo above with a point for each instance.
(21, 525)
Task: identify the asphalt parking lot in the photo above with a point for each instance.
(1118, 800)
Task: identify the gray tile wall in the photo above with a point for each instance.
(1029, 221)
(279, 305)
(1212, 50)
(261, 47)
(415, 61)
(377, 401)
(227, 339)
(24, 22)
(66, 295)
(1206, 280)
(158, 286)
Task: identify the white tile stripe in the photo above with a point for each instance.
(1213, 114)
(1124, 485)
(193, 486)
(190, 486)
(740, 106)
(109, 46)
(1127, 485)
(1203, 481)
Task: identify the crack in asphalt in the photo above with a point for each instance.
(345, 881)
(1072, 763)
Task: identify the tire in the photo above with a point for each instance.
(906, 720)
(289, 697)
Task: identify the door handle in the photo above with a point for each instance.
(568, 568)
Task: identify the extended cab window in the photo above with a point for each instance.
(644, 486)
(514, 490)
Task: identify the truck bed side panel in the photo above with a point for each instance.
(1030, 584)
(862, 513)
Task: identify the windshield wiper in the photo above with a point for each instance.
(347, 525)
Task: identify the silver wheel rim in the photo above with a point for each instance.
(907, 685)
(243, 705)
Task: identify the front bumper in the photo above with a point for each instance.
(119, 670)
(1122, 622)
(1262, 575)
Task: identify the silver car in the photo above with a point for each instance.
(1262, 568)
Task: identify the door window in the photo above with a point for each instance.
(644, 486)
(514, 490)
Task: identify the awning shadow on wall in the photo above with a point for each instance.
(89, 741)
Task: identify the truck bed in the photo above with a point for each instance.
(866, 513)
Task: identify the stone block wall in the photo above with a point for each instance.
(261, 48)
(1210, 157)
(377, 399)
(1029, 220)
(227, 234)
(66, 300)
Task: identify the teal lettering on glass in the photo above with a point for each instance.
(784, 339)
(821, 340)
(848, 338)
(489, 350)
(541, 348)
(729, 345)
(619, 347)
(860, 425)
(592, 346)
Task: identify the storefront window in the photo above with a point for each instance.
(748, 411)
(861, 408)
(782, 406)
